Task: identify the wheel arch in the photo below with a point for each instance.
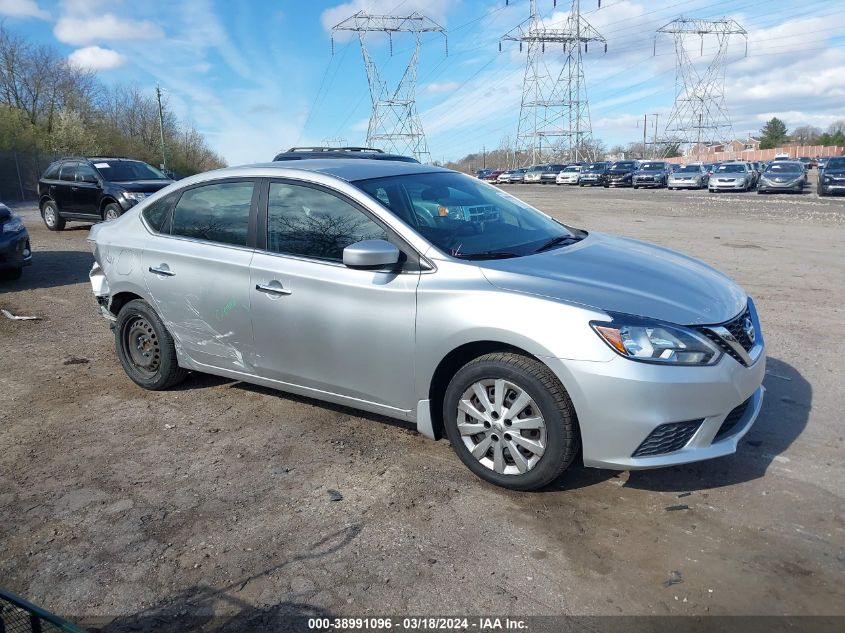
(449, 366)
(120, 299)
(106, 201)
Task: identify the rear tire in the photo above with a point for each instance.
(50, 214)
(145, 347)
(520, 453)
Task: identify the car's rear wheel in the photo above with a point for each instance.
(145, 347)
(51, 217)
(111, 211)
(510, 421)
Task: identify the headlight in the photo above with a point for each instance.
(131, 195)
(14, 225)
(656, 342)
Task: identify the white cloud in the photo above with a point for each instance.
(23, 9)
(84, 30)
(440, 87)
(96, 58)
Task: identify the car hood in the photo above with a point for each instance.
(835, 171)
(619, 172)
(730, 174)
(147, 186)
(623, 275)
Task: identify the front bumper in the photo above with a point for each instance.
(650, 182)
(620, 181)
(621, 402)
(781, 186)
(569, 180)
(728, 186)
(685, 184)
(15, 251)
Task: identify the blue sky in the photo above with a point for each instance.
(257, 76)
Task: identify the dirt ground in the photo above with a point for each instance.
(213, 498)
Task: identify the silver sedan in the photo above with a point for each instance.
(731, 177)
(425, 295)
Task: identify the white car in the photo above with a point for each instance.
(569, 176)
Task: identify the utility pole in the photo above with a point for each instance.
(554, 105)
(645, 126)
(161, 127)
(699, 109)
(484, 157)
(395, 125)
(654, 144)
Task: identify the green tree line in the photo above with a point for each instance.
(48, 106)
(775, 134)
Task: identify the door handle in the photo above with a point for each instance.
(162, 270)
(273, 288)
(74, 188)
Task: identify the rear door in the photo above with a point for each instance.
(197, 271)
(319, 324)
(62, 190)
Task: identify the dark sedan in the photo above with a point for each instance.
(620, 173)
(832, 177)
(651, 174)
(592, 174)
(784, 175)
(15, 252)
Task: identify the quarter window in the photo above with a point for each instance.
(53, 172)
(217, 213)
(156, 212)
(313, 223)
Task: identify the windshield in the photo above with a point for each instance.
(731, 169)
(122, 170)
(785, 168)
(538, 168)
(835, 163)
(689, 169)
(573, 168)
(463, 216)
(653, 166)
(624, 165)
(595, 166)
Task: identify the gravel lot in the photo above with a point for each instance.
(213, 498)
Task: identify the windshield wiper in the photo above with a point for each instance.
(487, 255)
(560, 239)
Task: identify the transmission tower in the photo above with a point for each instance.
(699, 114)
(554, 102)
(394, 123)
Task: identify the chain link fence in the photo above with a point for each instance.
(19, 174)
(19, 616)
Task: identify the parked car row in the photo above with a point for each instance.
(777, 175)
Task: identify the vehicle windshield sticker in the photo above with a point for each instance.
(101, 165)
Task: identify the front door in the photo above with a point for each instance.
(86, 190)
(319, 324)
(62, 191)
(198, 273)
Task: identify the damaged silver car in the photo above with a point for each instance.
(426, 295)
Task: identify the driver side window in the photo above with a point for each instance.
(314, 223)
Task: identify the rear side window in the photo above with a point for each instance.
(157, 211)
(216, 213)
(68, 171)
(52, 172)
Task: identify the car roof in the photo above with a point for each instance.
(349, 169)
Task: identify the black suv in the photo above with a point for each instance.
(84, 188)
(302, 153)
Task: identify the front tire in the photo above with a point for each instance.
(112, 211)
(50, 214)
(510, 421)
(145, 347)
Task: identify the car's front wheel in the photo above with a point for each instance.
(52, 219)
(112, 211)
(145, 347)
(510, 421)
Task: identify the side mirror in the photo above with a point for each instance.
(370, 254)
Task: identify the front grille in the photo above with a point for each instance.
(731, 421)
(736, 327)
(667, 438)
